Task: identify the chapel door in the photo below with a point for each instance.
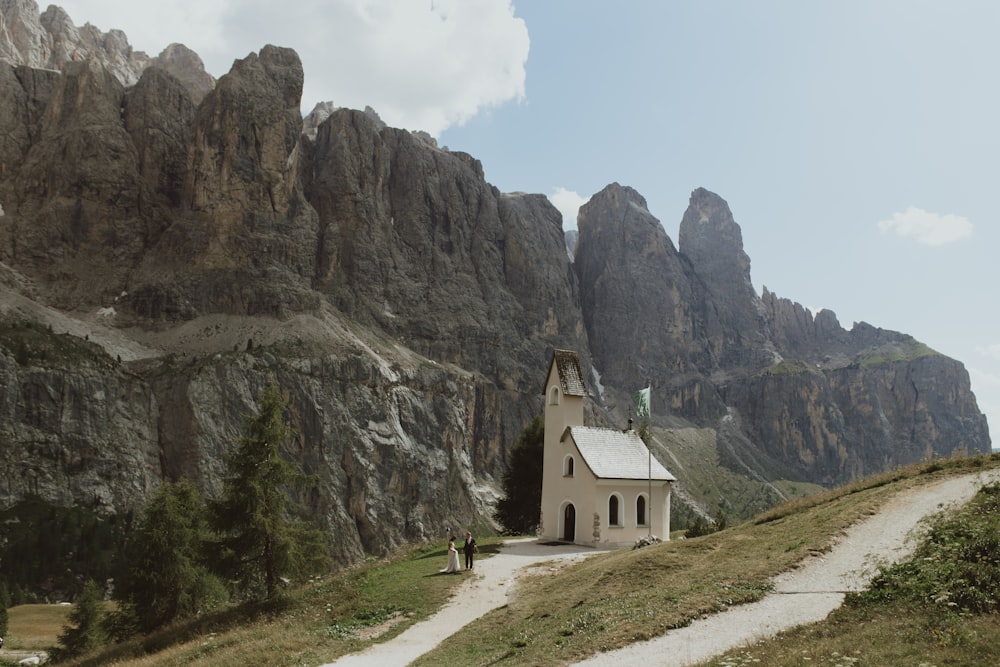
(569, 523)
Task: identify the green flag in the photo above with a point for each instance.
(642, 402)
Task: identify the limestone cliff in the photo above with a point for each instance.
(50, 40)
(796, 396)
(165, 254)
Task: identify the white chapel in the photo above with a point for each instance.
(599, 486)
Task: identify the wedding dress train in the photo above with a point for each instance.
(452, 560)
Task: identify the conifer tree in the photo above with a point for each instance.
(260, 542)
(520, 508)
(165, 574)
(86, 632)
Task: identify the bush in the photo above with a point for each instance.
(957, 566)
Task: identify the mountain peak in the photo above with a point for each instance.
(51, 40)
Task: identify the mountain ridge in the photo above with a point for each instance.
(406, 307)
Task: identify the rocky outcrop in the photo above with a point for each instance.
(51, 41)
(187, 67)
(407, 303)
(75, 424)
(404, 306)
(732, 314)
(797, 395)
(412, 240)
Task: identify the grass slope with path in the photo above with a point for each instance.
(549, 616)
(613, 601)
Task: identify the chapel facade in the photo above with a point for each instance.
(599, 486)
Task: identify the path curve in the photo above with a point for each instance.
(486, 588)
(803, 595)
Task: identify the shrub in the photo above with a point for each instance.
(957, 566)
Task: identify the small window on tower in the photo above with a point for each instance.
(568, 467)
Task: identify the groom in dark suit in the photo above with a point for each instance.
(469, 548)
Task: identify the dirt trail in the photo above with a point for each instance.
(809, 593)
(803, 595)
(487, 588)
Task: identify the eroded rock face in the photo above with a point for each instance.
(187, 67)
(641, 306)
(445, 295)
(790, 395)
(414, 241)
(75, 425)
(406, 308)
(50, 40)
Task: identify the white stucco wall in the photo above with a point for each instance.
(588, 494)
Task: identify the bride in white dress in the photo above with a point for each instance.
(452, 558)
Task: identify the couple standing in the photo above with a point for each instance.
(469, 547)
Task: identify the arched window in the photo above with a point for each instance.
(568, 466)
(614, 516)
(640, 511)
(554, 395)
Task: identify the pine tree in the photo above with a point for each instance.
(165, 574)
(85, 633)
(260, 543)
(520, 508)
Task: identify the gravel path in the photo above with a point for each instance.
(486, 588)
(803, 595)
(809, 593)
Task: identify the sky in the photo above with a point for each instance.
(856, 141)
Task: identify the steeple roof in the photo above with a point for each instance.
(567, 365)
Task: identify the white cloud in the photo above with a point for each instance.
(990, 351)
(927, 228)
(421, 65)
(568, 202)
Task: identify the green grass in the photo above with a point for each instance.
(607, 602)
(787, 368)
(33, 343)
(907, 351)
(602, 603)
(941, 607)
(318, 622)
(34, 627)
(692, 454)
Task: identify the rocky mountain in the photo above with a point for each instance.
(50, 40)
(164, 255)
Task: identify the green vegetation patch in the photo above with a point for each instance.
(326, 618)
(611, 600)
(887, 354)
(34, 627)
(47, 551)
(31, 343)
(941, 607)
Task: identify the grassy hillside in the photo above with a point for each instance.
(609, 601)
(34, 627)
(941, 607)
(604, 602)
(692, 455)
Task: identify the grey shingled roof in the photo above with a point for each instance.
(567, 365)
(611, 454)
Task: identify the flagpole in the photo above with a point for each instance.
(649, 510)
(644, 408)
(649, 461)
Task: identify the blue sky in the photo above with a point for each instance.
(856, 142)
